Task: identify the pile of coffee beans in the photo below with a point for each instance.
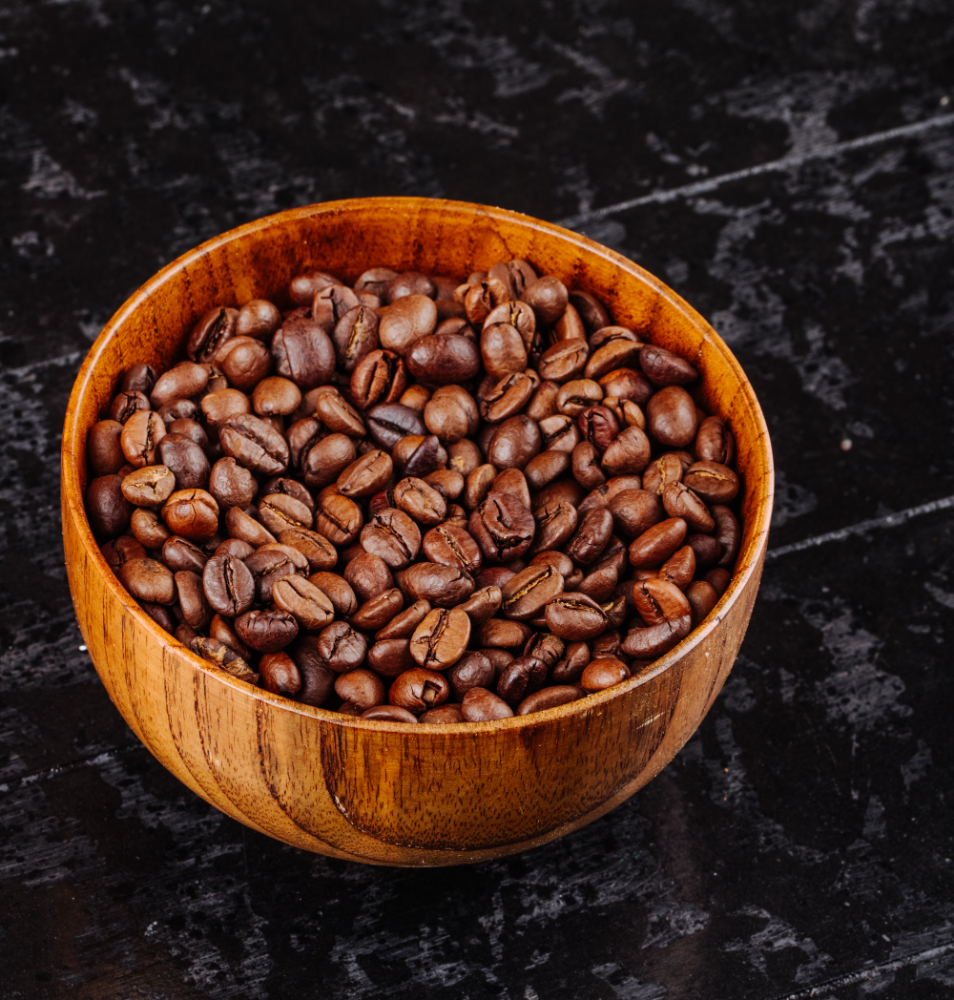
(418, 499)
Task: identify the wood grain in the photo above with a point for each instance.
(373, 791)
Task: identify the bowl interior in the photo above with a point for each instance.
(438, 237)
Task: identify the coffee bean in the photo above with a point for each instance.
(680, 567)
(152, 532)
(280, 674)
(713, 482)
(648, 643)
(379, 378)
(714, 441)
(214, 329)
(181, 554)
(470, 671)
(680, 501)
(139, 377)
(421, 502)
(575, 617)
(389, 422)
(254, 444)
(525, 595)
(628, 454)
(148, 580)
(303, 353)
(521, 677)
(257, 318)
(309, 606)
(240, 525)
(549, 697)
(266, 631)
(559, 433)
(444, 359)
(104, 449)
(228, 585)
(481, 705)
(186, 460)
(418, 690)
(564, 361)
(503, 527)
(443, 586)
(338, 518)
(591, 537)
(655, 545)
(393, 536)
(193, 514)
(324, 461)
(377, 611)
(221, 656)
(664, 368)
(482, 604)
(192, 600)
(555, 523)
(406, 321)
(149, 486)
(569, 669)
(180, 382)
(671, 416)
(603, 673)
(660, 473)
(360, 690)
(140, 438)
(728, 532)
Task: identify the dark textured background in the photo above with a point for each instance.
(788, 166)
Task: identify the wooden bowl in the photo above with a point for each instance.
(379, 792)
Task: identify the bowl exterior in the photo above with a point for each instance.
(379, 792)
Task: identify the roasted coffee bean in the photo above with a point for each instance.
(441, 638)
(280, 512)
(326, 459)
(655, 545)
(388, 713)
(389, 422)
(419, 455)
(165, 619)
(443, 586)
(257, 318)
(483, 604)
(403, 624)
(520, 678)
(406, 321)
(481, 705)
(545, 646)
(220, 655)
(234, 547)
(635, 511)
(180, 382)
(714, 482)
(549, 697)
(664, 368)
(391, 657)
(379, 378)
(421, 502)
(728, 532)
(376, 612)
(366, 475)
(266, 631)
(564, 361)
(305, 286)
(671, 417)
(317, 680)
(103, 448)
(445, 358)
(181, 554)
(140, 438)
(599, 426)
(503, 527)
(228, 585)
(659, 601)
(648, 643)
(498, 633)
(338, 591)
(275, 396)
(415, 397)
(715, 442)
(541, 470)
(603, 673)
(702, 597)
(221, 630)
(149, 486)
(570, 668)
(525, 595)
(559, 433)
(359, 690)
(368, 575)
(220, 406)
(569, 326)
(628, 384)
(514, 482)
(193, 514)
(139, 377)
(244, 361)
(509, 395)
(338, 518)
(448, 482)
(574, 397)
(443, 715)
(393, 536)
(472, 670)
(452, 545)
(628, 454)
(418, 690)
(254, 444)
(706, 548)
(661, 472)
(680, 567)
(680, 501)
(591, 311)
(280, 674)
(585, 464)
(269, 564)
(575, 617)
(612, 348)
(309, 606)
(340, 647)
(215, 328)
(240, 525)
(195, 608)
(303, 353)
(148, 580)
(591, 537)
(555, 523)
(355, 336)
(125, 404)
(548, 298)
(186, 461)
(331, 304)
(151, 531)
(451, 414)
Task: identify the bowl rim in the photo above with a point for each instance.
(73, 453)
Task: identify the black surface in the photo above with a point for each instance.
(801, 844)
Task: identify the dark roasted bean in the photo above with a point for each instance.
(603, 673)
(360, 690)
(266, 631)
(575, 617)
(656, 544)
(229, 585)
(525, 595)
(521, 677)
(481, 705)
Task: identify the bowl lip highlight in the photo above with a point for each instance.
(73, 457)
